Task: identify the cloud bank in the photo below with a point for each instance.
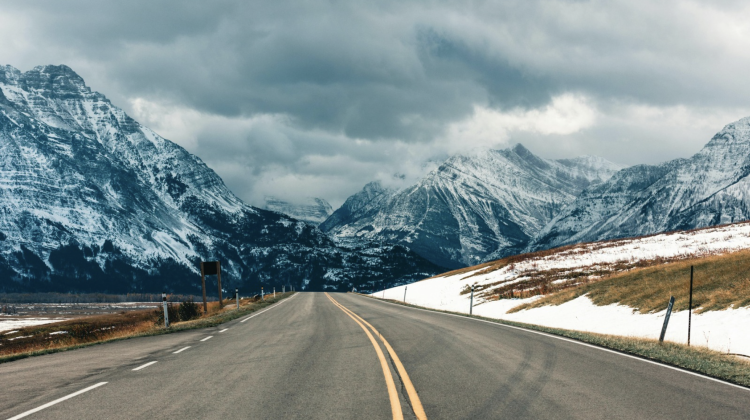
(318, 98)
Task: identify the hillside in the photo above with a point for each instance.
(611, 287)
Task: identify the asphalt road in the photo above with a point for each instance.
(307, 358)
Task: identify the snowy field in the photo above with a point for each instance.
(30, 314)
(9, 323)
(719, 330)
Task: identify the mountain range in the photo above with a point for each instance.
(710, 188)
(472, 208)
(91, 200)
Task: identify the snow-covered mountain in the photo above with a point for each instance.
(471, 208)
(311, 210)
(91, 200)
(710, 188)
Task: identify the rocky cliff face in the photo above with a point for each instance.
(472, 208)
(93, 201)
(710, 188)
(311, 210)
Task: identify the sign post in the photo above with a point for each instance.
(210, 268)
(203, 283)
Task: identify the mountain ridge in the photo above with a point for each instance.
(707, 189)
(471, 207)
(94, 201)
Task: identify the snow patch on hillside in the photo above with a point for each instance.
(718, 330)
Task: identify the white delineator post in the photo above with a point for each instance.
(261, 294)
(405, 287)
(274, 292)
(237, 294)
(283, 289)
(471, 301)
(166, 313)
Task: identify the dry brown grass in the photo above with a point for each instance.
(101, 328)
(529, 280)
(721, 282)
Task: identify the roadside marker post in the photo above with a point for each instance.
(690, 304)
(166, 313)
(237, 294)
(471, 301)
(405, 287)
(283, 288)
(261, 294)
(274, 292)
(666, 320)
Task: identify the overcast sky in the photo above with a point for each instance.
(316, 98)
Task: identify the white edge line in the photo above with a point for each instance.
(500, 324)
(181, 350)
(268, 309)
(207, 338)
(223, 330)
(59, 400)
(144, 366)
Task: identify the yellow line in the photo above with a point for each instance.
(416, 403)
(392, 394)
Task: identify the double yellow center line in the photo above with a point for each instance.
(416, 404)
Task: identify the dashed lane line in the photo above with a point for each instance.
(207, 338)
(59, 400)
(144, 366)
(181, 350)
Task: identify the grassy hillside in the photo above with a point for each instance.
(720, 282)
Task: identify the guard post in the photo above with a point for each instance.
(666, 319)
(166, 313)
(471, 301)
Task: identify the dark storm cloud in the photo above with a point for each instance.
(362, 79)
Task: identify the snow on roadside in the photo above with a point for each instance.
(718, 330)
(16, 323)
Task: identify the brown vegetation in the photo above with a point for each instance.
(720, 282)
(101, 328)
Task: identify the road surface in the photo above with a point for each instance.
(319, 356)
